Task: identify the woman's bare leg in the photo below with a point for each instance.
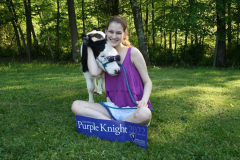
(142, 116)
(89, 109)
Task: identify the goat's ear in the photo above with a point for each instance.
(83, 35)
(85, 39)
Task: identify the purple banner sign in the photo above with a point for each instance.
(113, 130)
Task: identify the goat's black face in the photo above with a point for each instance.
(102, 51)
(96, 40)
(97, 46)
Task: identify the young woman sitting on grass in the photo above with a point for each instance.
(116, 89)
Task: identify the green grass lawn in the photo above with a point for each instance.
(197, 115)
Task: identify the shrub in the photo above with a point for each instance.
(8, 52)
(195, 55)
(161, 57)
(233, 55)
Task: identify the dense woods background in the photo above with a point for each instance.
(168, 32)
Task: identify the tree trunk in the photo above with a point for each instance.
(191, 39)
(196, 38)
(17, 39)
(170, 33)
(175, 48)
(164, 32)
(165, 40)
(108, 7)
(57, 34)
(238, 23)
(186, 37)
(185, 46)
(35, 42)
(140, 31)
(115, 7)
(161, 35)
(28, 27)
(153, 34)
(229, 22)
(73, 28)
(221, 32)
(22, 38)
(96, 7)
(170, 40)
(140, 9)
(10, 8)
(146, 24)
(215, 53)
(238, 33)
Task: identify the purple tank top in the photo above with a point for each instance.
(116, 87)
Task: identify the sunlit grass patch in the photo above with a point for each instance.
(196, 115)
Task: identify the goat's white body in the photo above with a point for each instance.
(95, 84)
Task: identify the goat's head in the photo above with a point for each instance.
(104, 53)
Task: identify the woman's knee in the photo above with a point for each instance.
(76, 106)
(144, 115)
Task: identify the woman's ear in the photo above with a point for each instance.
(105, 31)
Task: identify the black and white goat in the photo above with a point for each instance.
(105, 54)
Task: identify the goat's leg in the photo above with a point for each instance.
(95, 84)
(100, 83)
(104, 89)
(90, 85)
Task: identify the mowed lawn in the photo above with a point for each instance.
(197, 114)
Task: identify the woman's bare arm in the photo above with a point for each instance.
(140, 64)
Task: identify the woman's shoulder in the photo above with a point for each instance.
(136, 56)
(135, 52)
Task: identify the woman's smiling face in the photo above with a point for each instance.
(115, 34)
